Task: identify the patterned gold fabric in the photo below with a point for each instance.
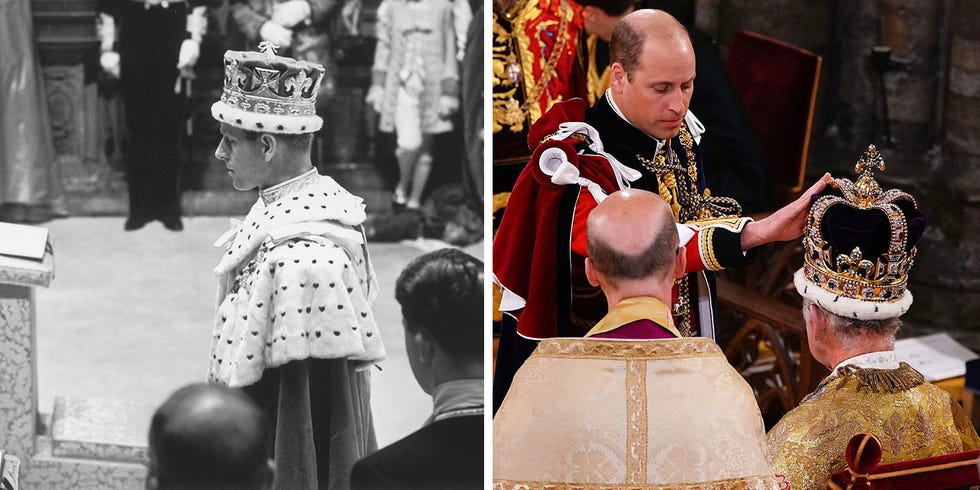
(913, 421)
(588, 413)
(597, 81)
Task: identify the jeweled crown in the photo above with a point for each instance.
(859, 240)
(269, 93)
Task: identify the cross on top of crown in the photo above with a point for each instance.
(866, 186)
(871, 160)
(268, 48)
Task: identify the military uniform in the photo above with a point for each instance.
(540, 248)
(149, 34)
(534, 65)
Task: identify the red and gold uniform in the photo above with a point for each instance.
(540, 247)
(535, 65)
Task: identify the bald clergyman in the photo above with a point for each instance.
(643, 129)
(635, 266)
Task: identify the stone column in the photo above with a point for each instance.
(911, 29)
(18, 357)
(855, 88)
(19, 434)
(947, 277)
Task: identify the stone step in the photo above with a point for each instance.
(102, 429)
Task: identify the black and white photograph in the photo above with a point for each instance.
(241, 244)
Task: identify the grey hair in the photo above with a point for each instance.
(850, 329)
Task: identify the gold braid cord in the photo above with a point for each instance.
(679, 187)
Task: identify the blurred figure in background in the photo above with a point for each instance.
(299, 28)
(30, 185)
(208, 436)
(415, 83)
(146, 44)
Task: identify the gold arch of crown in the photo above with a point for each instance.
(851, 274)
(262, 96)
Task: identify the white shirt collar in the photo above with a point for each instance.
(457, 398)
(272, 194)
(615, 108)
(872, 360)
(694, 125)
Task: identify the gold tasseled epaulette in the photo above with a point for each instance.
(884, 380)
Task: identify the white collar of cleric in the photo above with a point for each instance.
(871, 360)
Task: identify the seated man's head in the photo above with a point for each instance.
(268, 116)
(633, 246)
(208, 436)
(652, 71)
(601, 16)
(441, 297)
(834, 338)
(859, 246)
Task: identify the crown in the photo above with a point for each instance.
(268, 93)
(859, 245)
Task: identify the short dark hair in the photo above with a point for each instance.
(613, 8)
(626, 45)
(219, 446)
(441, 293)
(656, 260)
(298, 142)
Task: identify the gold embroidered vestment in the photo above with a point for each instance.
(913, 421)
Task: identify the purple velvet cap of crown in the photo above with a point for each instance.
(859, 245)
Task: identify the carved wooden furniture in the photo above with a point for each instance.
(777, 84)
(769, 348)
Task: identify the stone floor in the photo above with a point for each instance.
(128, 316)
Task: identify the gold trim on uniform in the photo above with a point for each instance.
(731, 223)
(706, 244)
(597, 82)
(508, 64)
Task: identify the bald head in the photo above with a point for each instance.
(208, 436)
(642, 27)
(631, 235)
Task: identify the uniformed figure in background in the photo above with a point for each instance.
(146, 44)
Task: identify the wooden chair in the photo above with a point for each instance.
(777, 84)
(949, 471)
